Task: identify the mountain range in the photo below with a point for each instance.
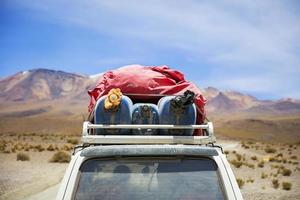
(48, 94)
(44, 84)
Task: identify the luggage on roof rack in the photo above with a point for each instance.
(147, 84)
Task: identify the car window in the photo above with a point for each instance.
(149, 178)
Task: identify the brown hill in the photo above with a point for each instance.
(43, 84)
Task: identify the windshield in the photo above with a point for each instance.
(149, 178)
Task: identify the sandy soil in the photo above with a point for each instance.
(262, 188)
(38, 178)
(19, 179)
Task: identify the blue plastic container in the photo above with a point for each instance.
(145, 113)
(176, 115)
(121, 115)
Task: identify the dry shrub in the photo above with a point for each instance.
(22, 157)
(264, 175)
(67, 147)
(269, 149)
(238, 157)
(250, 180)
(261, 164)
(50, 148)
(244, 145)
(253, 158)
(249, 165)
(2, 146)
(73, 141)
(279, 155)
(240, 182)
(39, 148)
(236, 163)
(6, 151)
(61, 157)
(275, 183)
(286, 172)
(226, 152)
(286, 185)
(294, 157)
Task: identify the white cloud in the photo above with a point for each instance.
(257, 42)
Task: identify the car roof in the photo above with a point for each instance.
(148, 150)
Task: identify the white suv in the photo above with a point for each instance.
(148, 167)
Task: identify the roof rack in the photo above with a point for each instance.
(88, 138)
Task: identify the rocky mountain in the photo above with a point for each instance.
(43, 84)
(223, 103)
(228, 101)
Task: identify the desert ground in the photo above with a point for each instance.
(263, 170)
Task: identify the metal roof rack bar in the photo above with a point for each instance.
(147, 139)
(145, 126)
(88, 138)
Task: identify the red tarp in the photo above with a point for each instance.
(155, 80)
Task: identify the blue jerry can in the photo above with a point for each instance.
(145, 113)
(120, 115)
(177, 110)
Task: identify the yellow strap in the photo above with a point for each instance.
(113, 99)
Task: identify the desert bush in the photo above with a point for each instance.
(286, 172)
(248, 165)
(2, 146)
(233, 151)
(253, 158)
(50, 148)
(67, 147)
(244, 145)
(272, 159)
(295, 163)
(269, 149)
(22, 157)
(294, 157)
(250, 180)
(275, 183)
(238, 157)
(286, 185)
(236, 163)
(73, 141)
(39, 148)
(250, 142)
(240, 182)
(61, 157)
(6, 151)
(264, 175)
(279, 155)
(261, 164)
(226, 152)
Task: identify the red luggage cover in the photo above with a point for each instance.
(147, 84)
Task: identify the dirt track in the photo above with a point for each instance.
(39, 179)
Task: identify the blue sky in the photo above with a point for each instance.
(248, 46)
